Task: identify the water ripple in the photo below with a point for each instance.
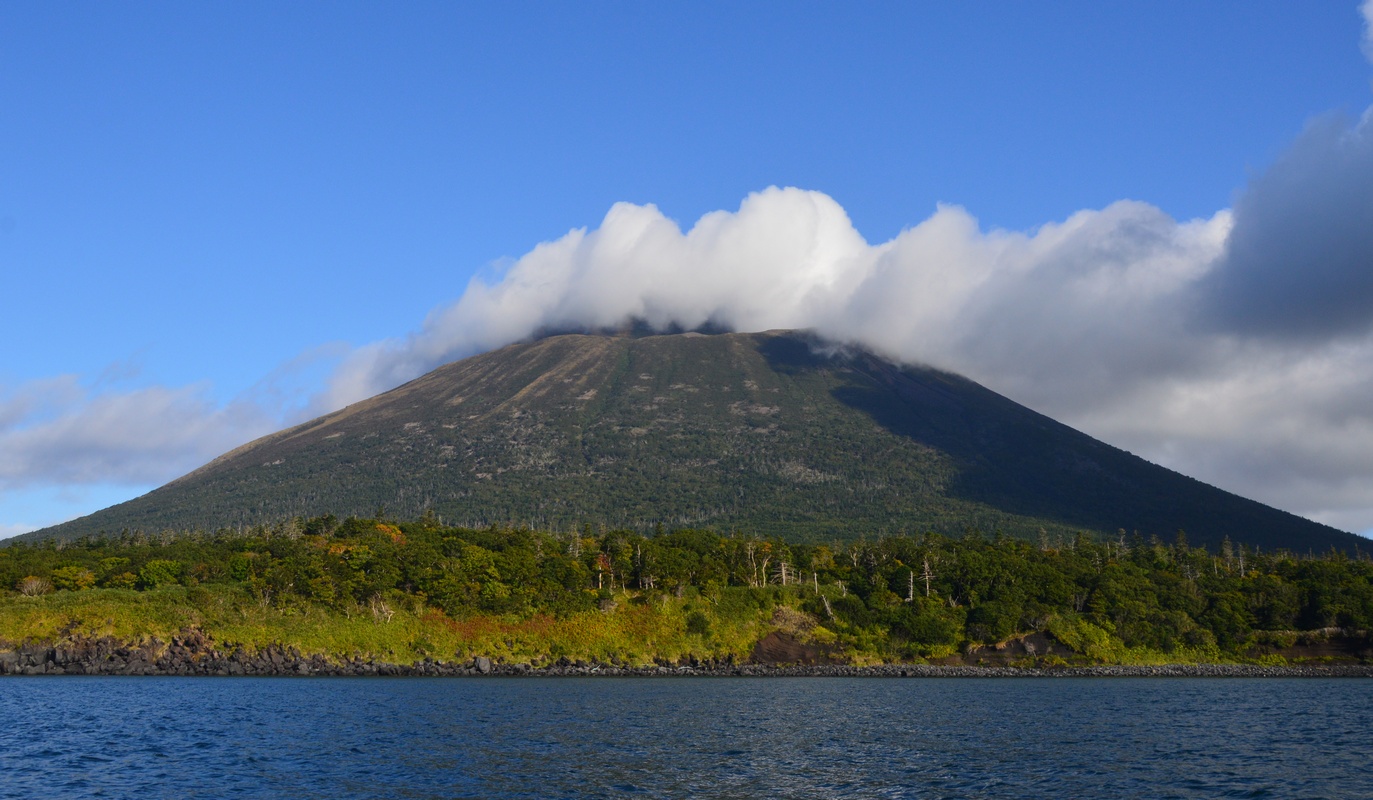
(740, 738)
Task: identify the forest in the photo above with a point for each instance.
(421, 589)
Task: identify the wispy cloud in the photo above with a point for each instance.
(57, 432)
(1367, 10)
(8, 530)
(68, 432)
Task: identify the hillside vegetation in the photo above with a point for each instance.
(772, 434)
(405, 592)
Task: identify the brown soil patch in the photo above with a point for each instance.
(1032, 646)
(783, 648)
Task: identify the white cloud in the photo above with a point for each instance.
(766, 265)
(57, 432)
(68, 446)
(943, 292)
(1097, 300)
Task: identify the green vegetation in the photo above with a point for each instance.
(409, 591)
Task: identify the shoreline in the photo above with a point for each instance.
(194, 657)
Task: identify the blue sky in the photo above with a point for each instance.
(212, 215)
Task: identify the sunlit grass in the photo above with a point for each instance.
(634, 632)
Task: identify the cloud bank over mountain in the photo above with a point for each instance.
(1098, 294)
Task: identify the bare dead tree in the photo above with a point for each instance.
(31, 586)
(381, 611)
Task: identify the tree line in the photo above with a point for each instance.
(898, 596)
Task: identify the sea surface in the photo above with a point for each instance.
(685, 737)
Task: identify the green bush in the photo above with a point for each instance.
(113, 565)
(698, 624)
(925, 627)
(159, 572)
(72, 578)
(122, 580)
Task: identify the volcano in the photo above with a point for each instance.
(776, 433)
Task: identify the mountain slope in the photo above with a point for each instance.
(770, 433)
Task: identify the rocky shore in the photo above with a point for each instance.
(192, 654)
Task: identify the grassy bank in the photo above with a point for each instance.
(633, 630)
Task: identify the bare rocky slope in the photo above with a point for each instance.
(770, 433)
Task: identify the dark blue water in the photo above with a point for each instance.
(710, 738)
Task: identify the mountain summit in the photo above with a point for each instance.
(772, 433)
